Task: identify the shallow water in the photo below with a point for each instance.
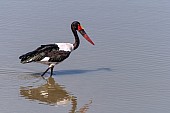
(126, 71)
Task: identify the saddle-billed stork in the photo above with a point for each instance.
(52, 54)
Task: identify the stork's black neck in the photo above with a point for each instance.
(77, 41)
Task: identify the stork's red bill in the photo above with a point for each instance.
(84, 34)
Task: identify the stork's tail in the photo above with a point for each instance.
(27, 58)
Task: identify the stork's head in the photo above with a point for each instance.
(78, 27)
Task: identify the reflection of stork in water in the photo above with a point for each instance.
(52, 93)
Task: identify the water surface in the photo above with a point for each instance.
(126, 71)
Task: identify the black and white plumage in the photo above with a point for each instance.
(52, 54)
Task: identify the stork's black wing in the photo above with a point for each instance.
(40, 53)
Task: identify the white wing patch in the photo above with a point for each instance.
(65, 46)
(45, 59)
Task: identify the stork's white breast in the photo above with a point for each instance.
(65, 46)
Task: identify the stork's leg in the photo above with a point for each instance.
(45, 71)
(52, 70)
